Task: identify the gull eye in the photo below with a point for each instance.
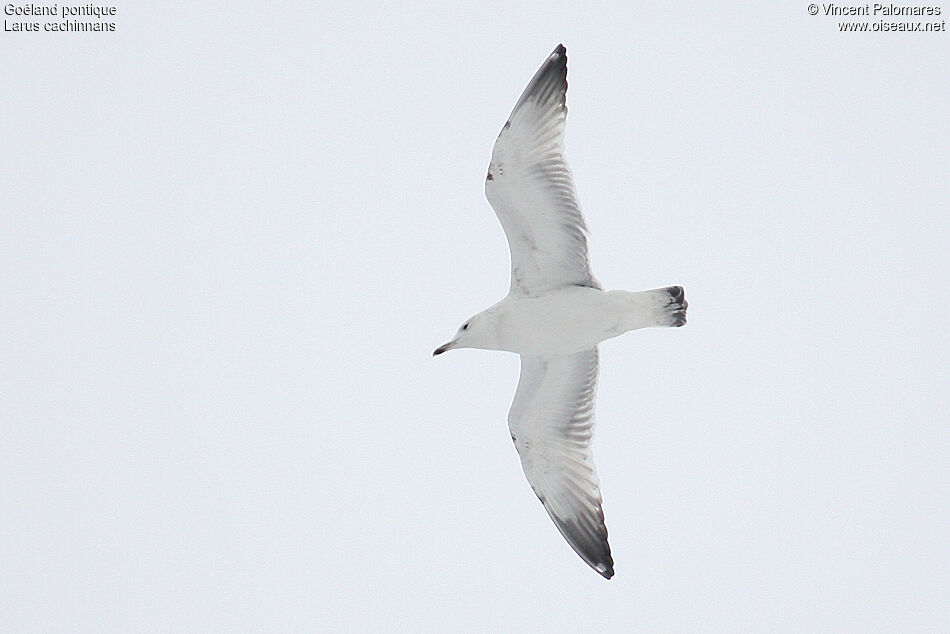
(465, 326)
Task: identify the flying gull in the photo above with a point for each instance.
(555, 313)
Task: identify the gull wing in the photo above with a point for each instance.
(530, 187)
(552, 423)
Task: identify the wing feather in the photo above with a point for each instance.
(530, 187)
(552, 424)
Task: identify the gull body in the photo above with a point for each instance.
(564, 321)
(555, 313)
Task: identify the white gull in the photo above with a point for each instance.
(555, 313)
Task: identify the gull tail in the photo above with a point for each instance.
(672, 309)
(659, 307)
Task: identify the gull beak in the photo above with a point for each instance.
(443, 348)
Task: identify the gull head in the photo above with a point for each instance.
(471, 334)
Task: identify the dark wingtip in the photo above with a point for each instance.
(589, 540)
(605, 567)
(549, 82)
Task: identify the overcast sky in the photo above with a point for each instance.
(232, 233)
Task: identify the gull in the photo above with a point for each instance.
(555, 313)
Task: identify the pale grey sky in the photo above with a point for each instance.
(231, 235)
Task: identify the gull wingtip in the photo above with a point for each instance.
(604, 566)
